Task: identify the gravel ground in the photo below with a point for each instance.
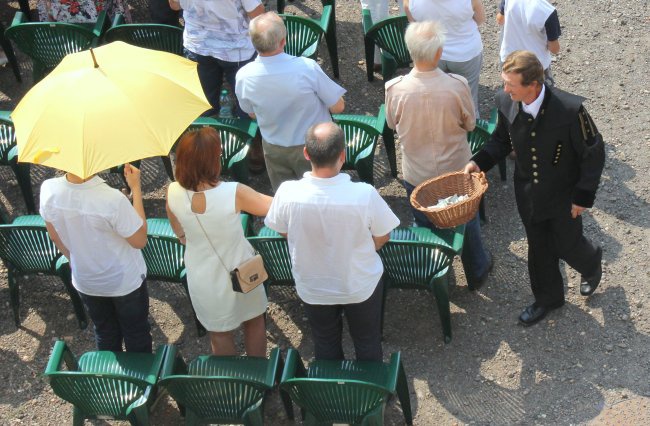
(587, 363)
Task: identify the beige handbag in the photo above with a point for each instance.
(248, 275)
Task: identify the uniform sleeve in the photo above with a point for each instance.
(277, 217)
(589, 145)
(496, 148)
(126, 220)
(326, 89)
(382, 218)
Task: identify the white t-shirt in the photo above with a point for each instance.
(330, 224)
(218, 28)
(463, 40)
(524, 28)
(288, 95)
(93, 221)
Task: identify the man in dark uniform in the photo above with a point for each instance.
(559, 159)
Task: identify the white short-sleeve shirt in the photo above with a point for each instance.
(329, 225)
(288, 95)
(525, 29)
(93, 221)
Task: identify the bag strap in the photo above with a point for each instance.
(203, 229)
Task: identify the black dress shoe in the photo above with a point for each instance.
(589, 285)
(535, 313)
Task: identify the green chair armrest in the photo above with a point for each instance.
(393, 371)
(6, 117)
(381, 119)
(19, 18)
(272, 367)
(325, 18)
(366, 20)
(293, 366)
(29, 220)
(101, 25)
(61, 353)
(157, 364)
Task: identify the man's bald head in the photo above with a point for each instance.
(267, 32)
(324, 143)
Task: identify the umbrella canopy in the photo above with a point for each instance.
(108, 106)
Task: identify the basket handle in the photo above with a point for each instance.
(481, 177)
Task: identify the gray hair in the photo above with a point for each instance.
(324, 149)
(267, 32)
(423, 39)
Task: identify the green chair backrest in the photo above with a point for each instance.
(47, 43)
(388, 34)
(223, 389)
(28, 248)
(7, 137)
(477, 138)
(163, 253)
(412, 259)
(360, 140)
(274, 250)
(167, 38)
(234, 140)
(304, 34)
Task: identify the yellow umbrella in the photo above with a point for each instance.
(108, 106)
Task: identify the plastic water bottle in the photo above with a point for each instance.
(225, 104)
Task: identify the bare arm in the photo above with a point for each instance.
(479, 12)
(253, 13)
(407, 10)
(57, 240)
(175, 4)
(338, 107)
(175, 224)
(132, 175)
(251, 201)
(380, 241)
(553, 46)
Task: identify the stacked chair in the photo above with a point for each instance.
(9, 157)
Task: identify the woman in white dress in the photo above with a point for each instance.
(204, 213)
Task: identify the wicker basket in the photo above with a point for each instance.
(429, 192)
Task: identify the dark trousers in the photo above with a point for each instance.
(121, 318)
(212, 71)
(364, 322)
(548, 242)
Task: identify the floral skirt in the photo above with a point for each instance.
(80, 11)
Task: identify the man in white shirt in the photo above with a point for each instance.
(334, 228)
(101, 234)
(287, 95)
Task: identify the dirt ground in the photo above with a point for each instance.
(587, 363)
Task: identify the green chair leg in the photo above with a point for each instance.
(23, 176)
(239, 171)
(389, 145)
(441, 292)
(370, 57)
(330, 39)
(77, 417)
(167, 162)
(364, 169)
(403, 395)
(388, 66)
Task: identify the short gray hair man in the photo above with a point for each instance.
(424, 39)
(267, 32)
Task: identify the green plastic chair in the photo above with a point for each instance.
(304, 35)
(9, 157)
(416, 258)
(236, 136)
(104, 384)
(274, 250)
(361, 134)
(350, 392)
(167, 38)
(9, 52)
(164, 253)
(47, 43)
(222, 389)
(26, 249)
(388, 34)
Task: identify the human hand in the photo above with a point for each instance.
(132, 177)
(470, 167)
(500, 19)
(576, 210)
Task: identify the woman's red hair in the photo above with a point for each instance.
(198, 158)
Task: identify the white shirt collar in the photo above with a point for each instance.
(535, 105)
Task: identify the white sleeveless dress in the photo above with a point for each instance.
(217, 306)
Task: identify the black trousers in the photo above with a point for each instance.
(364, 322)
(548, 242)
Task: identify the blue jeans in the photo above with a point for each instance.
(212, 71)
(475, 259)
(121, 318)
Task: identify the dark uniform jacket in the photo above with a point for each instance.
(559, 155)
